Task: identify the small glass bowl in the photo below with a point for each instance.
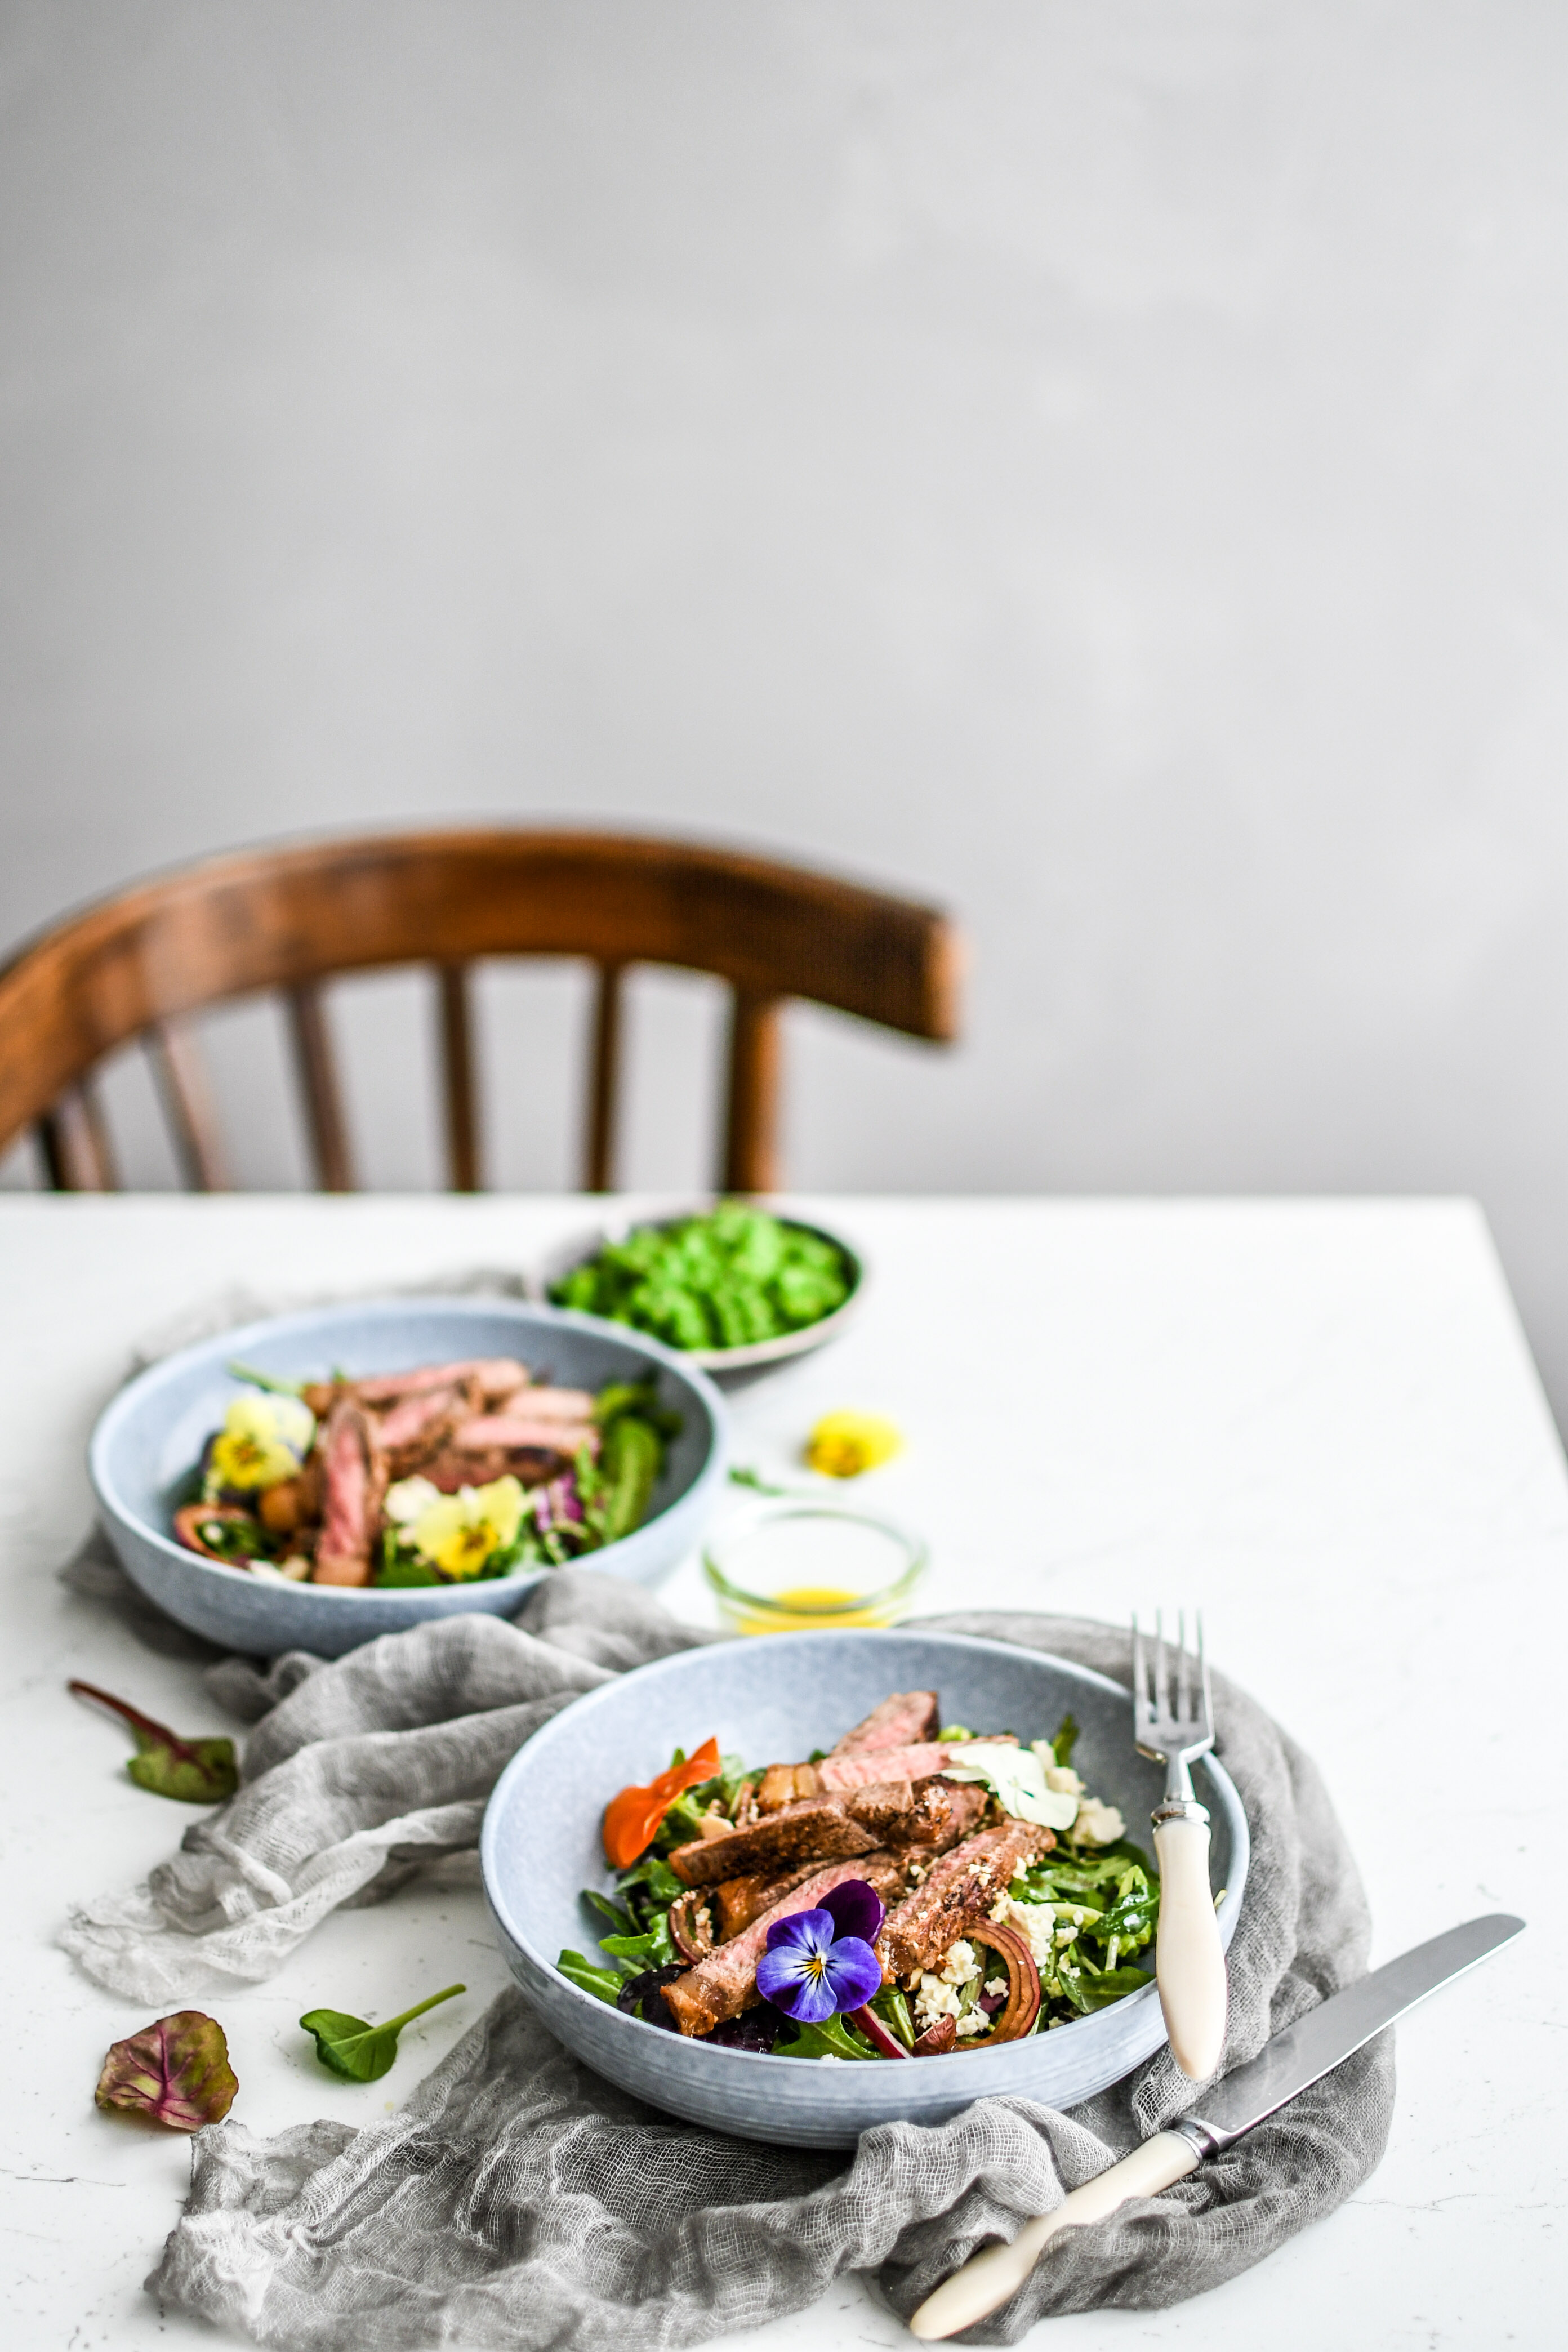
(792, 1566)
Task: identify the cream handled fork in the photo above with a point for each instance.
(1172, 1720)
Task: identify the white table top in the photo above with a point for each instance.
(1318, 1419)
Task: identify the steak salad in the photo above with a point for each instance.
(914, 1890)
(440, 1475)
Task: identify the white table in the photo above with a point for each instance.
(1318, 1420)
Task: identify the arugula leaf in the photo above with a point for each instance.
(192, 1771)
(176, 2072)
(1113, 1984)
(658, 1878)
(832, 2039)
(1063, 1744)
(893, 2010)
(655, 1948)
(268, 1380)
(604, 1984)
(359, 2053)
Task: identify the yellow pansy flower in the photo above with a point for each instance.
(263, 1441)
(457, 1534)
(843, 1444)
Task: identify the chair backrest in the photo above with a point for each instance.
(137, 965)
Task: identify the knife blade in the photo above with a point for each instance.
(1286, 2066)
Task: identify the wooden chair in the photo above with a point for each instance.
(136, 966)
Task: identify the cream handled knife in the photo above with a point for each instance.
(1286, 2066)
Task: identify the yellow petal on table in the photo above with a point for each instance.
(843, 1444)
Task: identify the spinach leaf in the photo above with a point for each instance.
(832, 2039)
(359, 2053)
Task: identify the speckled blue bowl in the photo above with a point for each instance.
(148, 1438)
(775, 1699)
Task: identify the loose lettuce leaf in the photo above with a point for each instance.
(176, 2072)
(358, 2053)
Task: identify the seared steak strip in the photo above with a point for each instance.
(355, 1482)
(959, 1891)
(908, 1719)
(736, 1902)
(418, 1426)
(726, 1982)
(818, 1828)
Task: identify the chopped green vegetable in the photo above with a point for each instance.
(359, 2053)
(724, 1280)
(1066, 1740)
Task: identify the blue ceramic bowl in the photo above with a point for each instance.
(774, 1700)
(147, 1440)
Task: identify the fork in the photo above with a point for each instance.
(1173, 1722)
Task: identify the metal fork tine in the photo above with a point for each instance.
(1161, 1707)
(1140, 1671)
(1183, 1671)
(1203, 1677)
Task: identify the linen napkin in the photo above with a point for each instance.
(520, 2200)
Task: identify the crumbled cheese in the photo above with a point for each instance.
(408, 1499)
(1063, 1777)
(975, 2023)
(996, 1988)
(1097, 1824)
(1036, 1922)
(939, 1993)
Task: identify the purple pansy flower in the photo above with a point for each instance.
(820, 1962)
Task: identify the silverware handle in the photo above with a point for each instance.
(990, 2279)
(1189, 1959)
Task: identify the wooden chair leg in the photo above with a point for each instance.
(459, 1078)
(750, 1123)
(317, 1066)
(599, 1161)
(73, 1137)
(182, 1082)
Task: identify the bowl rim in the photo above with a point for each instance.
(575, 1249)
(380, 1306)
(1223, 1787)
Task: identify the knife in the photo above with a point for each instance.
(1288, 2064)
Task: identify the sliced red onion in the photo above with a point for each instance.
(877, 2033)
(684, 1932)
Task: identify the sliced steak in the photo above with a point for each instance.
(908, 1719)
(858, 1770)
(736, 1902)
(819, 1829)
(418, 1427)
(726, 1982)
(497, 1376)
(927, 1813)
(355, 1476)
(522, 1426)
(529, 1466)
(958, 1892)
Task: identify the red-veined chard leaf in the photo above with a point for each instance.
(176, 2072)
(361, 2053)
(193, 1771)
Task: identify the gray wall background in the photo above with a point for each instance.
(1097, 462)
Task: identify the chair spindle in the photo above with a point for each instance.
(603, 1079)
(317, 1067)
(183, 1089)
(750, 1161)
(460, 1077)
(73, 1136)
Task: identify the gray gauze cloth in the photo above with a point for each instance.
(520, 2200)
